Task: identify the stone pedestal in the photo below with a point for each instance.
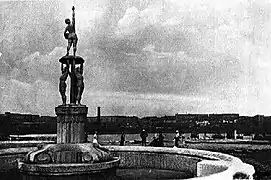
(71, 123)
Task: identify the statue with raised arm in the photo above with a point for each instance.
(79, 83)
(62, 82)
(70, 34)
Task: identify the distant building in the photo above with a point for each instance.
(190, 122)
(223, 118)
(259, 125)
(244, 125)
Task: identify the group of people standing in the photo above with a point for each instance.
(158, 139)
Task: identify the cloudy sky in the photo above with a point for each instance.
(142, 57)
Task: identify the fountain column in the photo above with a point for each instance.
(71, 124)
(71, 117)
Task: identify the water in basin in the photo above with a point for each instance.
(119, 174)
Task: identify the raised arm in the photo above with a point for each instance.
(73, 17)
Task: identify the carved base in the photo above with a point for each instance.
(68, 153)
(68, 159)
(71, 123)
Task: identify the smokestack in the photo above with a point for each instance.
(99, 114)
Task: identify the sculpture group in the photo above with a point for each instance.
(68, 67)
(79, 83)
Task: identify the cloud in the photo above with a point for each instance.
(131, 22)
(135, 21)
(15, 94)
(187, 49)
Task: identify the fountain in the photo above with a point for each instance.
(71, 156)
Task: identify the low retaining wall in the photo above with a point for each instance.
(20, 144)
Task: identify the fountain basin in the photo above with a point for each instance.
(197, 164)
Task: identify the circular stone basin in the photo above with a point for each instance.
(138, 163)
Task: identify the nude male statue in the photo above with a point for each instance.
(62, 82)
(70, 34)
(79, 83)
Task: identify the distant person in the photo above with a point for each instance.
(86, 136)
(144, 136)
(95, 138)
(96, 144)
(161, 139)
(176, 139)
(155, 142)
(122, 139)
(183, 139)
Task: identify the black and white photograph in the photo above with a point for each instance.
(135, 89)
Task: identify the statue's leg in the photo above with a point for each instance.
(81, 92)
(63, 97)
(79, 95)
(69, 46)
(75, 45)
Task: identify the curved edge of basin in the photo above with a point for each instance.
(67, 169)
(209, 165)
